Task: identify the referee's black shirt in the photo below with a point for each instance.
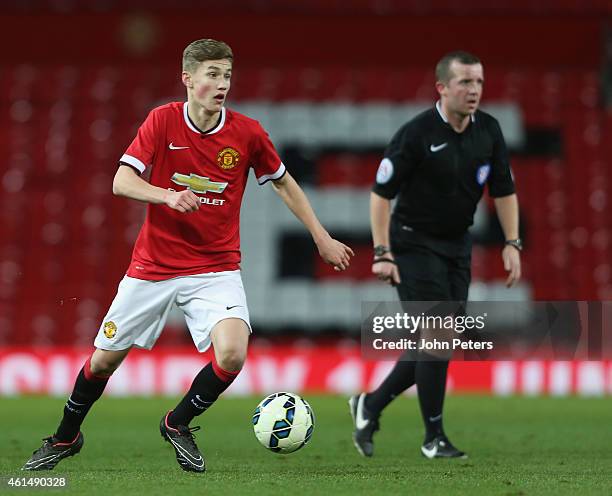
(439, 175)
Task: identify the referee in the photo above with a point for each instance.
(436, 166)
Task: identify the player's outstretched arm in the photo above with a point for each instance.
(331, 250)
(127, 183)
(508, 215)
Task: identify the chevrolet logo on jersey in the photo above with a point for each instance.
(198, 184)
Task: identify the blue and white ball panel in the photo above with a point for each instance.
(283, 422)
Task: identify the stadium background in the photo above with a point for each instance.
(331, 81)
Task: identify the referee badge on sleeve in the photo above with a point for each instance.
(482, 174)
(385, 171)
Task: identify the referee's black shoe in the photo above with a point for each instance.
(365, 425)
(52, 451)
(441, 447)
(181, 437)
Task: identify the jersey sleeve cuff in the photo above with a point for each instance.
(133, 161)
(137, 171)
(382, 192)
(500, 193)
(280, 172)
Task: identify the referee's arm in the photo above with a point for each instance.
(380, 218)
(508, 215)
(398, 160)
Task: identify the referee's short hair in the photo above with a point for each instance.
(443, 72)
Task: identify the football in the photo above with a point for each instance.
(283, 422)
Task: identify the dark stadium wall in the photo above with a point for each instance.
(563, 41)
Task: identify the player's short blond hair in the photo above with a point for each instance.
(205, 49)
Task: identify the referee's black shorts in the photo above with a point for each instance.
(431, 269)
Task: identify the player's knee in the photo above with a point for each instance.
(435, 355)
(103, 367)
(105, 363)
(231, 359)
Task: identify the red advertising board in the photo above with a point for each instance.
(329, 368)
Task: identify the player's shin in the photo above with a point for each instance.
(401, 377)
(430, 377)
(210, 382)
(88, 388)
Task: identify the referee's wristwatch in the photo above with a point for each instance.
(517, 243)
(381, 250)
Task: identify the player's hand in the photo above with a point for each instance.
(183, 201)
(512, 264)
(335, 253)
(387, 271)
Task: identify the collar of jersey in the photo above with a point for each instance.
(439, 109)
(214, 130)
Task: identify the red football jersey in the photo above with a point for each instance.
(215, 166)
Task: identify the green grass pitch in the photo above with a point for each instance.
(517, 446)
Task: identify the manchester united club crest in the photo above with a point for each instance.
(228, 158)
(110, 329)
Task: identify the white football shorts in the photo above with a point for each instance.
(140, 309)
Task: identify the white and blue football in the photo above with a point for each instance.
(283, 422)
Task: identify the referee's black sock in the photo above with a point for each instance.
(431, 386)
(210, 382)
(88, 387)
(399, 379)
